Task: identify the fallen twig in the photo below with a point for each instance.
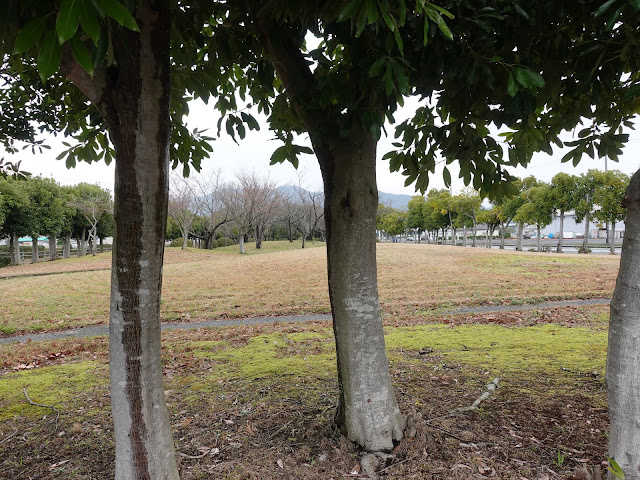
(490, 389)
(398, 463)
(52, 407)
(9, 437)
(195, 457)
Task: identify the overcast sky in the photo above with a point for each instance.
(254, 152)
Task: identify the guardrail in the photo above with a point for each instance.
(43, 255)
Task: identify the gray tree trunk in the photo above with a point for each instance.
(623, 361)
(185, 239)
(612, 244)
(82, 246)
(561, 231)
(539, 239)
(464, 236)
(519, 240)
(16, 259)
(474, 243)
(34, 250)
(367, 409)
(241, 243)
(136, 108)
(66, 249)
(585, 241)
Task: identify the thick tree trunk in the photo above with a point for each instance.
(185, 234)
(623, 361)
(561, 232)
(367, 410)
(53, 253)
(585, 241)
(519, 240)
(66, 248)
(34, 249)
(15, 240)
(137, 113)
(612, 244)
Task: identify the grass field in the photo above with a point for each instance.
(415, 281)
(263, 396)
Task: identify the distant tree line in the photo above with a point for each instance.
(593, 196)
(209, 212)
(35, 206)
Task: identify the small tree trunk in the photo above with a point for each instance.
(66, 248)
(241, 242)
(623, 361)
(489, 238)
(53, 252)
(520, 234)
(303, 239)
(475, 230)
(185, 234)
(101, 245)
(258, 238)
(81, 242)
(34, 249)
(367, 410)
(15, 242)
(585, 240)
(561, 231)
(464, 235)
(539, 239)
(612, 244)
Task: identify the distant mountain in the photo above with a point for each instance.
(393, 200)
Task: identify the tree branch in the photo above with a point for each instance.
(93, 88)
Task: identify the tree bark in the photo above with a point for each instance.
(623, 361)
(367, 409)
(34, 249)
(101, 245)
(81, 242)
(561, 231)
(136, 107)
(585, 241)
(66, 249)
(241, 243)
(612, 244)
(475, 230)
(15, 239)
(53, 252)
(519, 240)
(539, 239)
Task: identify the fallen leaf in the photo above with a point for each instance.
(58, 464)
(280, 464)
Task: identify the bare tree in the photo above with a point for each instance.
(209, 193)
(181, 205)
(311, 207)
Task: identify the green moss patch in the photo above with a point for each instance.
(516, 352)
(59, 385)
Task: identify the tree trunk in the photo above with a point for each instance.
(15, 241)
(81, 242)
(489, 238)
(53, 253)
(101, 245)
(367, 410)
(185, 234)
(612, 244)
(34, 249)
(92, 245)
(66, 248)
(519, 240)
(561, 233)
(585, 241)
(475, 230)
(258, 238)
(539, 239)
(623, 361)
(137, 113)
(464, 236)
(241, 242)
(303, 239)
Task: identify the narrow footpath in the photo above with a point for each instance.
(103, 330)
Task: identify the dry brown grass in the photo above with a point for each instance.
(414, 281)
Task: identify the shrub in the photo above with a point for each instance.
(177, 242)
(224, 241)
(5, 261)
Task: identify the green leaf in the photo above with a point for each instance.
(349, 10)
(444, 12)
(279, 156)
(388, 80)
(303, 149)
(82, 55)
(388, 20)
(377, 67)
(444, 28)
(585, 132)
(50, 55)
(30, 34)
(117, 11)
(512, 85)
(603, 8)
(89, 20)
(68, 20)
(446, 175)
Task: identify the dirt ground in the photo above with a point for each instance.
(538, 427)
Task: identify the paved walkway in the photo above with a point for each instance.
(103, 330)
